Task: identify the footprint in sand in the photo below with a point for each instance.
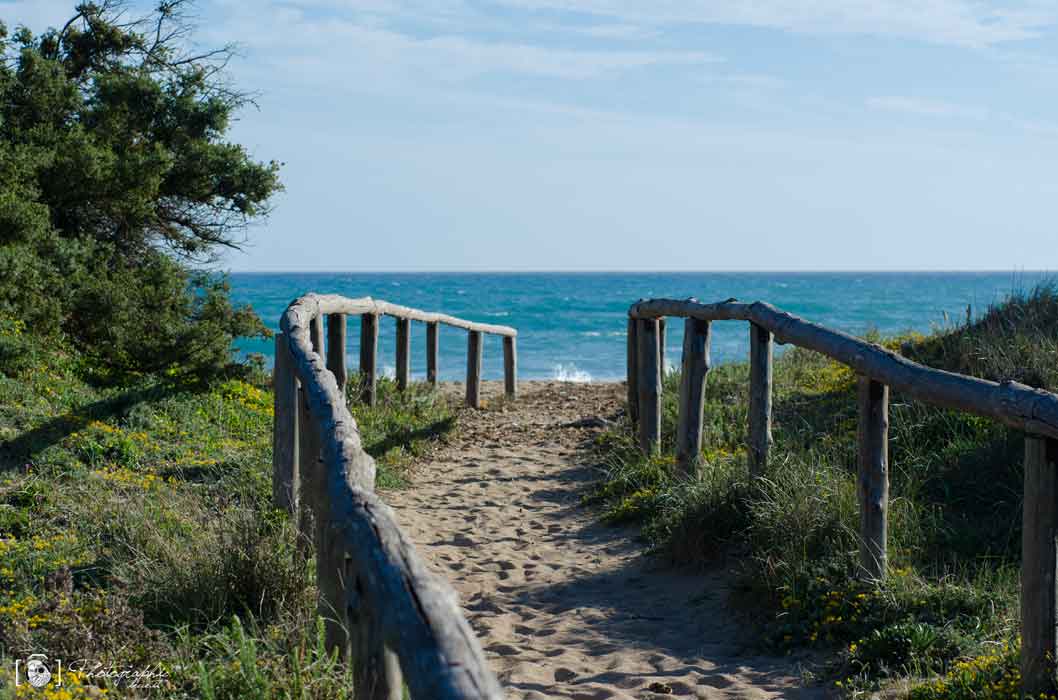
(566, 607)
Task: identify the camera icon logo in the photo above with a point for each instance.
(37, 672)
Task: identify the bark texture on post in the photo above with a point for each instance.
(284, 428)
(633, 371)
(648, 386)
(403, 353)
(368, 358)
(1038, 561)
(336, 362)
(662, 324)
(510, 366)
(474, 369)
(760, 381)
(388, 595)
(316, 334)
(873, 476)
(695, 368)
(309, 475)
(431, 352)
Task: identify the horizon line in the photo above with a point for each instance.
(642, 271)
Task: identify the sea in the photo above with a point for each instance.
(571, 325)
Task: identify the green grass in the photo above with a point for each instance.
(955, 507)
(136, 526)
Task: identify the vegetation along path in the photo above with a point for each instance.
(566, 606)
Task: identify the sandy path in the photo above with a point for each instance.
(566, 607)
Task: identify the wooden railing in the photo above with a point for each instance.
(370, 310)
(1033, 411)
(392, 619)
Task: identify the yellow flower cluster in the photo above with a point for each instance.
(717, 454)
(246, 395)
(833, 376)
(38, 544)
(18, 607)
(124, 476)
(830, 603)
(994, 676)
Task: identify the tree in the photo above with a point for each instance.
(116, 180)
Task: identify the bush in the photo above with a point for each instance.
(955, 501)
(115, 181)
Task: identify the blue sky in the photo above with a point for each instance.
(670, 134)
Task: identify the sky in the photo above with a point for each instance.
(649, 134)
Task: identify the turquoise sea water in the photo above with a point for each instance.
(572, 325)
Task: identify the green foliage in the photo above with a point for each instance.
(136, 527)
(993, 675)
(955, 502)
(1014, 341)
(400, 426)
(114, 176)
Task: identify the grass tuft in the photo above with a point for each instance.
(137, 531)
(955, 506)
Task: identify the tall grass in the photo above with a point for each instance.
(136, 528)
(954, 509)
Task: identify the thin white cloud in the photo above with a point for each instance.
(957, 22)
(926, 107)
(292, 40)
(619, 31)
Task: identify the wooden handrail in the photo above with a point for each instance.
(394, 620)
(1017, 405)
(335, 304)
(1033, 411)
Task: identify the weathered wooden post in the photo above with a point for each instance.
(873, 476)
(661, 346)
(316, 334)
(403, 353)
(309, 472)
(649, 386)
(330, 560)
(368, 358)
(633, 371)
(336, 327)
(695, 368)
(284, 428)
(376, 669)
(510, 366)
(474, 369)
(431, 352)
(760, 380)
(1038, 561)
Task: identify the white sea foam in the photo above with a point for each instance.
(389, 371)
(593, 334)
(496, 313)
(569, 373)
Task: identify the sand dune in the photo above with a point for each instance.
(565, 606)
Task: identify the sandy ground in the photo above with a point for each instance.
(565, 606)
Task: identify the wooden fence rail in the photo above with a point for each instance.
(392, 620)
(1033, 411)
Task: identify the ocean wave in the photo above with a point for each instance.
(496, 313)
(593, 334)
(569, 373)
(389, 371)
